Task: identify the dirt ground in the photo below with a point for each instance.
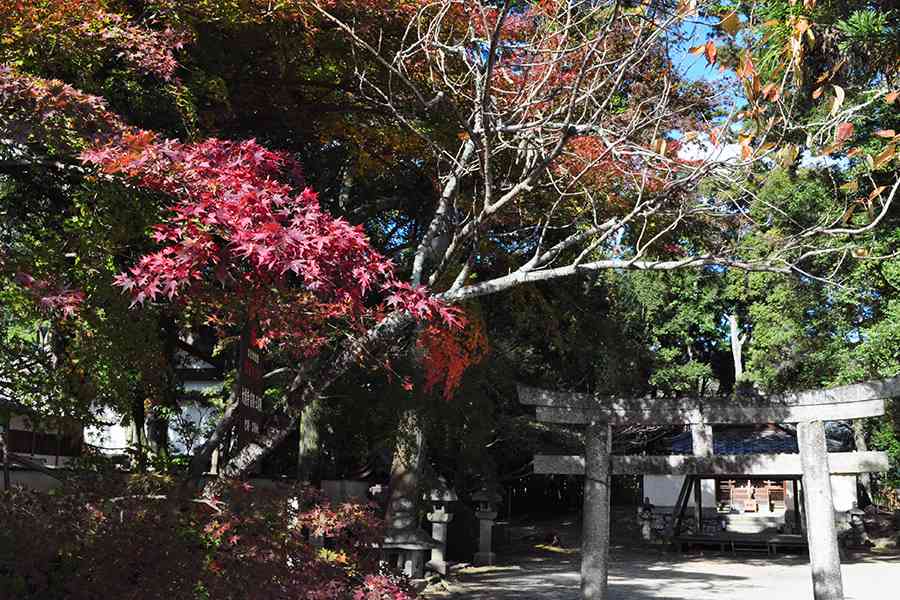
(532, 570)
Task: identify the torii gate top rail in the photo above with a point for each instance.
(855, 401)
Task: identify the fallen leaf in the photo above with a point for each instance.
(886, 133)
(890, 98)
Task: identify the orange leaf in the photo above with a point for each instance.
(844, 132)
(817, 92)
(710, 52)
(886, 133)
(890, 98)
(696, 50)
(876, 192)
(771, 92)
(886, 155)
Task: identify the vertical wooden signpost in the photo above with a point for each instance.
(250, 414)
(809, 410)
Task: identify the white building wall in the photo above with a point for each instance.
(663, 490)
(843, 491)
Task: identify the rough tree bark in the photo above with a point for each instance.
(406, 469)
(308, 446)
(4, 452)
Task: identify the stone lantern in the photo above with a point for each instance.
(439, 517)
(486, 501)
(645, 518)
(857, 525)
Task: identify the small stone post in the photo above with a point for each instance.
(487, 513)
(595, 525)
(645, 518)
(439, 517)
(824, 557)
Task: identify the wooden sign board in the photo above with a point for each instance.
(250, 417)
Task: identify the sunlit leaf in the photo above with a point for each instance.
(731, 24)
(843, 133)
(838, 99)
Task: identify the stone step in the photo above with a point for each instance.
(753, 523)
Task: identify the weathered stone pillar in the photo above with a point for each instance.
(487, 513)
(824, 557)
(595, 528)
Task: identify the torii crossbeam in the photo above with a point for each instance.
(808, 409)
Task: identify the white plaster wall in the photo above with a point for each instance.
(663, 490)
(110, 435)
(843, 491)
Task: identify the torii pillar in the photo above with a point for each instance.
(595, 516)
(824, 555)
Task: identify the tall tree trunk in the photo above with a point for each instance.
(406, 470)
(4, 450)
(138, 418)
(737, 348)
(308, 446)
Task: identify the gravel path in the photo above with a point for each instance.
(666, 576)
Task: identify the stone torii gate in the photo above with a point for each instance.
(809, 410)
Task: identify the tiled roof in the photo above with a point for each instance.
(767, 439)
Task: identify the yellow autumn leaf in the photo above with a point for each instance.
(731, 24)
(886, 155)
(850, 187)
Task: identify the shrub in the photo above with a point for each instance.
(103, 538)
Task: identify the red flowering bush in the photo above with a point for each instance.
(99, 539)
